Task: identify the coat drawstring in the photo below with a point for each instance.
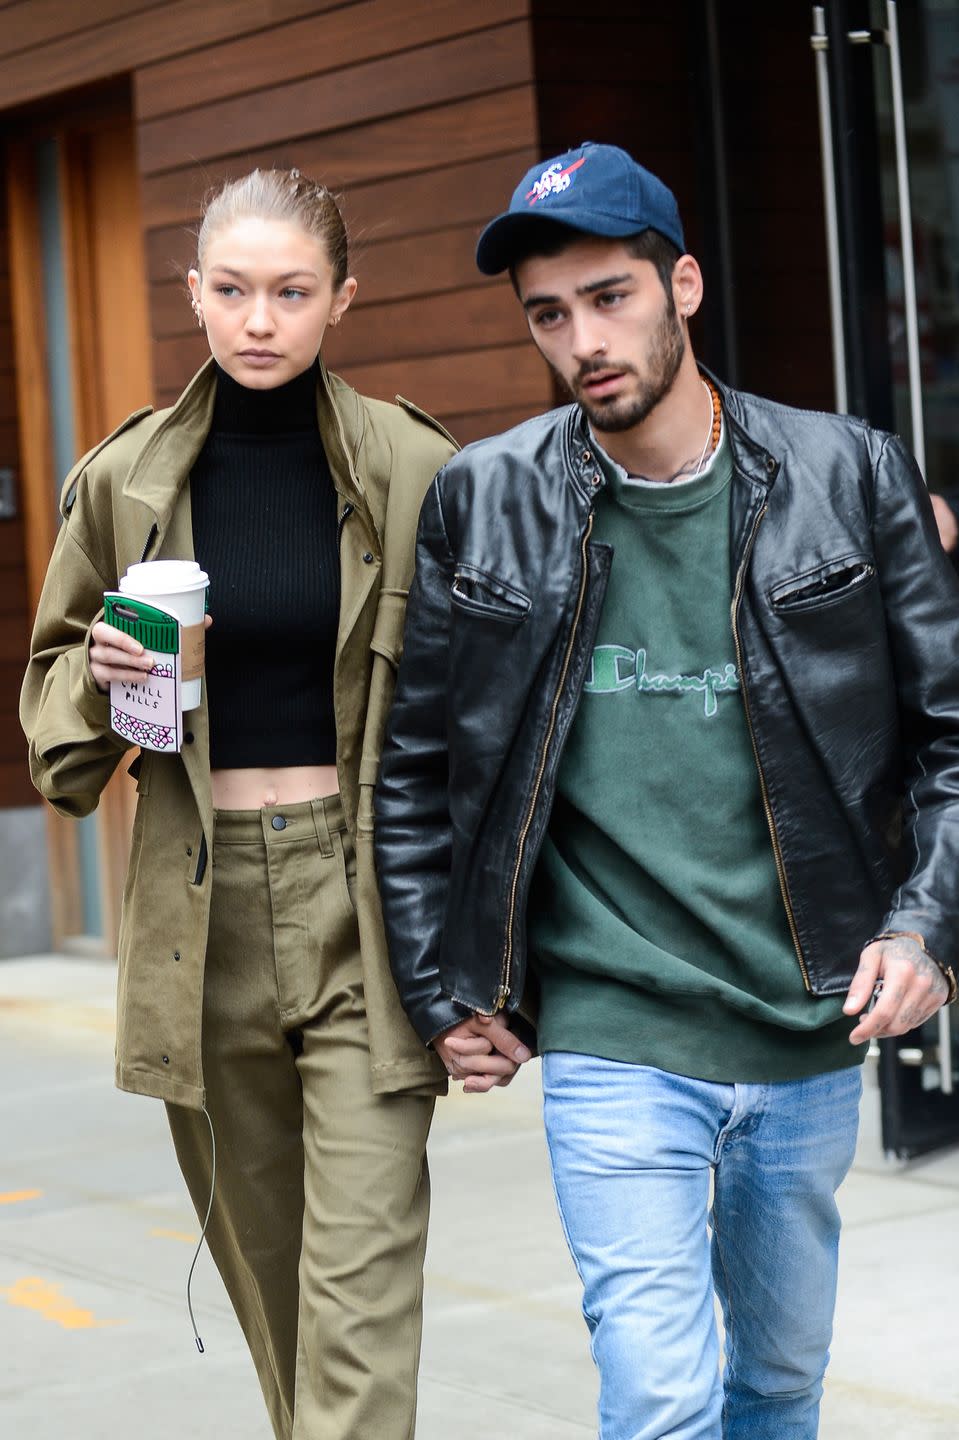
(206, 1221)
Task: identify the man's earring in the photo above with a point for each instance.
(197, 311)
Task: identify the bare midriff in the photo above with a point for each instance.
(285, 785)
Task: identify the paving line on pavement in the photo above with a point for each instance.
(470, 1300)
(139, 1285)
(878, 1397)
(51, 1092)
(912, 1177)
(869, 1221)
(46, 1299)
(514, 1402)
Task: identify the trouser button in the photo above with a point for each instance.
(278, 822)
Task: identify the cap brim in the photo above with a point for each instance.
(497, 245)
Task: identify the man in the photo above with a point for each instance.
(675, 744)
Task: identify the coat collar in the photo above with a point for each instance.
(159, 471)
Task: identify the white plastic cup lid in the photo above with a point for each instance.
(163, 577)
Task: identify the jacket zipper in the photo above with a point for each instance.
(150, 539)
(777, 851)
(502, 994)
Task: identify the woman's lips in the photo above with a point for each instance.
(259, 358)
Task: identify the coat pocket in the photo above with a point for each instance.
(825, 585)
(476, 592)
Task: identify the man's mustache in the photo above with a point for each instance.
(601, 367)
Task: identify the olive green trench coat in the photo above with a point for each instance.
(127, 500)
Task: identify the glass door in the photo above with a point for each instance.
(888, 79)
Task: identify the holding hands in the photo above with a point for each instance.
(482, 1052)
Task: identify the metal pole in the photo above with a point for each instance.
(945, 1051)
(819, 45)
(910, 307)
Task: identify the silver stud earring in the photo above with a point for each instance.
(195, 304)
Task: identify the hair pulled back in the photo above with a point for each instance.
(278, 195)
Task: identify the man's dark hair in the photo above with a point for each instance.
(549, 238)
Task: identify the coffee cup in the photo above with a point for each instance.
(178, 586)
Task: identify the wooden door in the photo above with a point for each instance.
(105, 346)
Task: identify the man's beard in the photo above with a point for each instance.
(663, 359)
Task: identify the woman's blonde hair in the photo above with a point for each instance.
(278, 195)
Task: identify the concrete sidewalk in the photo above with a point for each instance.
(96, 1238)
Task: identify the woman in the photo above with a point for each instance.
(254, 990)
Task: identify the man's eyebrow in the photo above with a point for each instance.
(604, 284)
(590, 289)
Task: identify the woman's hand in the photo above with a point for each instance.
(482, 1052)
(115, 655)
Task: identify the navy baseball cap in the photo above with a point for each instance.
(598, 189)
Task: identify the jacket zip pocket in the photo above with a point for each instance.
(148, 546)
(201, 860)
(502, 994)
(830, 582)
(345, 514)
(767, 807)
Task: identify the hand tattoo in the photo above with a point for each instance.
(905, 947)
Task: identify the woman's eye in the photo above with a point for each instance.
(228, 291)
(290, 292)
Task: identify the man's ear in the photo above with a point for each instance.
(687, 282)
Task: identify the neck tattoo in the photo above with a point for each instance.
(692, 468)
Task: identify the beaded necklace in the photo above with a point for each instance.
(715, 424)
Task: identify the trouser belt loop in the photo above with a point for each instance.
(323, 837)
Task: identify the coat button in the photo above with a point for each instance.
(368, 558)
(770, 465)
(188, 738)
(278, 822)
(166, 1059)
(189, 849)
(176, 954)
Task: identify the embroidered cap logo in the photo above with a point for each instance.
(553, 181)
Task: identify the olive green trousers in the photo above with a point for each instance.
(321, 1200)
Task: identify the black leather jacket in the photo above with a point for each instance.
(846, 625)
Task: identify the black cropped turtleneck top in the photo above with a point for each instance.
(264, 529)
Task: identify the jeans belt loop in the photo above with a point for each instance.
(321, 826)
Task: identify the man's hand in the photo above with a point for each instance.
(911, 988)
(946, 521)
(482, 1052)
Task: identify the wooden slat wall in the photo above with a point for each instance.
(421, 114)
(15, 786)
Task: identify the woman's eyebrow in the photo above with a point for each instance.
(287, 274)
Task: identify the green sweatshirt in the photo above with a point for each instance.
(657, 925)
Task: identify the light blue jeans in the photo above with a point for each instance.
(632, 1149)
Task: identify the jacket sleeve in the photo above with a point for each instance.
(73, 751)
(921, 598)
(413, 831)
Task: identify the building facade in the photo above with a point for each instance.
(117, 115)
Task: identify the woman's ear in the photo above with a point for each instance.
(342, 300)
(193, 280)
